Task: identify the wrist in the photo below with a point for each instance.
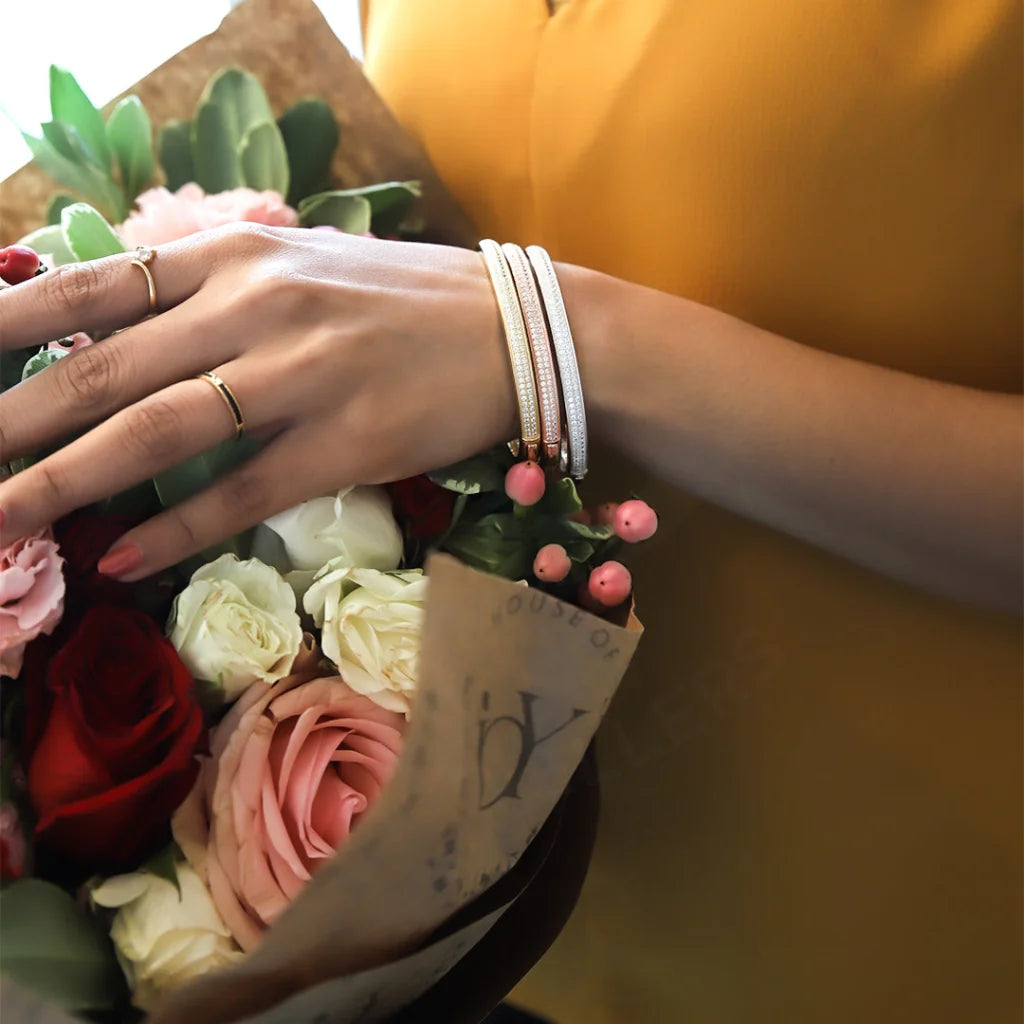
(592, 301)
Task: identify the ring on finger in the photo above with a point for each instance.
(144, 255)
(229, 400)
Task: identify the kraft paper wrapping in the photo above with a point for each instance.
(292, 50)
(513, 685)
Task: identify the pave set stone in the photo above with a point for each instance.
(565, 351)
(547, 382)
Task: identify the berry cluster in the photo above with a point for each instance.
(609, 583)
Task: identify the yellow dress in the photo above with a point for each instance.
(811, 778)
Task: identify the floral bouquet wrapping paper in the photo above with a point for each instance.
(303, 776)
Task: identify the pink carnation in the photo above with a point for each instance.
(31, 595)
(295, 765)
(164, 216)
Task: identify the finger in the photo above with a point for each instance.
(146, 438)
(98, 380)
(102, 294)
(275, 479)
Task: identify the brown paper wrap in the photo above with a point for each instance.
(292, 50)
(513, 685)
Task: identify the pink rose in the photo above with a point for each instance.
(294, 765)
(163, 216)
(31, 595)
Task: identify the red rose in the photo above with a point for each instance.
(421, 506)
(112, 741)
(84, 537)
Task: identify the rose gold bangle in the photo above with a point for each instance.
(540, 346)
(518, 348)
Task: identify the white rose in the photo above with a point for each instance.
(164, 938)
(236, 623)
(354, 528)
(371, 624)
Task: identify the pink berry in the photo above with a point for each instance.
(524, 483)
(552, 564)
(585, 601)
(326, 227)
(635, 521)
(18, 263)
(610, 584)
(604, 515)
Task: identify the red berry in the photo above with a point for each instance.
(524, 483)
(552, 564)
(635, 521)
(610, 584)
(604, 515)
(18, 263)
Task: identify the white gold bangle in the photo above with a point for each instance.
(540, 346)
(565, 352)
(518, 348)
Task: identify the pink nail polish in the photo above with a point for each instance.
(121, 560)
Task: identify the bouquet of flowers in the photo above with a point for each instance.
(304, 774)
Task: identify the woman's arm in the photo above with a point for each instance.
(361, 361)
(918, 479)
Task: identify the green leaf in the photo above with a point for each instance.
(41, 360)
(263, 158)
(560, 499)
(232, 104)
(65, 139)
(475, 475)
(98, 188)
(138, 502)
(162, 864)
(88, 235)
(240, 94)
(50, 241)
(175, 145)
(496, 543)
(565, 530)
(389, 204)
(12, 365)
(340, 210)
(56, 204)
(215, 150)
(310, 132)
(130, 136)
(52, 946)
(68, 103)
(193, 475)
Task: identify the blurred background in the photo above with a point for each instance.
(108, 45)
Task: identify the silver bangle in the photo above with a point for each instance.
(565, 352)
(518, 348)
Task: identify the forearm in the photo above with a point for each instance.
(917, 479)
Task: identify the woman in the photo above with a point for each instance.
(812, 778)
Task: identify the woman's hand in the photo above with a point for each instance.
(355, 360)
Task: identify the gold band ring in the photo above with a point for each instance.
(229, 399)
(143, 256)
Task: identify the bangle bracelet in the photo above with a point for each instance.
(540, 346)
(568, 368)
(518, 349)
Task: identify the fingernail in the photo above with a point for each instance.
(121, 560)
